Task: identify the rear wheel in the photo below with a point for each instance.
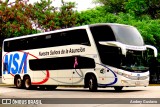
(27, 82)
(92, 83)
(18, 82)
(118, 88)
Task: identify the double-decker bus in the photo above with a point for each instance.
(91, 56)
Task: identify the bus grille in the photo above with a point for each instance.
(138, 78)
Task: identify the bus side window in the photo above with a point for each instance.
(6, 46)
(84, 63)
(79, 36)
(102, 33)
(60, 63)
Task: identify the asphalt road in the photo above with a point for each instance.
(66, 93)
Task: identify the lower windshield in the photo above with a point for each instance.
(135, 61)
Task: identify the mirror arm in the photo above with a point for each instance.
(153, 48)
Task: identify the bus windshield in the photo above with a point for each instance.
(111, 54)
(135, 61)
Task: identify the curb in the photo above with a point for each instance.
(1, 84)
(154, 84)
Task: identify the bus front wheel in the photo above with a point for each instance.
(27, 82)
(92, 83)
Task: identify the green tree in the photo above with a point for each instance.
(14, 19)
(144, 7)
(153, 8)
(91, 16)
(138, 7)
(48, 17)
(42, 15)
(67, 15)
(113, 6)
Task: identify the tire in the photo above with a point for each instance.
(27, 83)
(18, 82)
(92, 83)
(118, 88)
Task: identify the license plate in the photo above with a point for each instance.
(137, 83)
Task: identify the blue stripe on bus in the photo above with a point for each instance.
(115, 79)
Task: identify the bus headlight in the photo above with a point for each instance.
(124, 82)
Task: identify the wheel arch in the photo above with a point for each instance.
(26, 75)
(86, 78)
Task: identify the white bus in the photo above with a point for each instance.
(92, 56)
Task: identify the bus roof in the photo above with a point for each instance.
(110, 24)
(45, 33)
(66, 29)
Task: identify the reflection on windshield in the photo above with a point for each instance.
(128, 35)
(135, 60)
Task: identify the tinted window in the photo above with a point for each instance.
(73, 62)
(78, 36)
(109, 55)
(102, 33)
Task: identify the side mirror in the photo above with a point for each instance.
(153, 48)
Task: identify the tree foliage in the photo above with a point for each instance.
(112, 6)
(67, 15)
(138, 7)
(14, 19)
(153, 8)
(47, 17)
(42, 15)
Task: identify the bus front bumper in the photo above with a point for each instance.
(135, 82)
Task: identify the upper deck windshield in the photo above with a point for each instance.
(127, 35)
(112, 55)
